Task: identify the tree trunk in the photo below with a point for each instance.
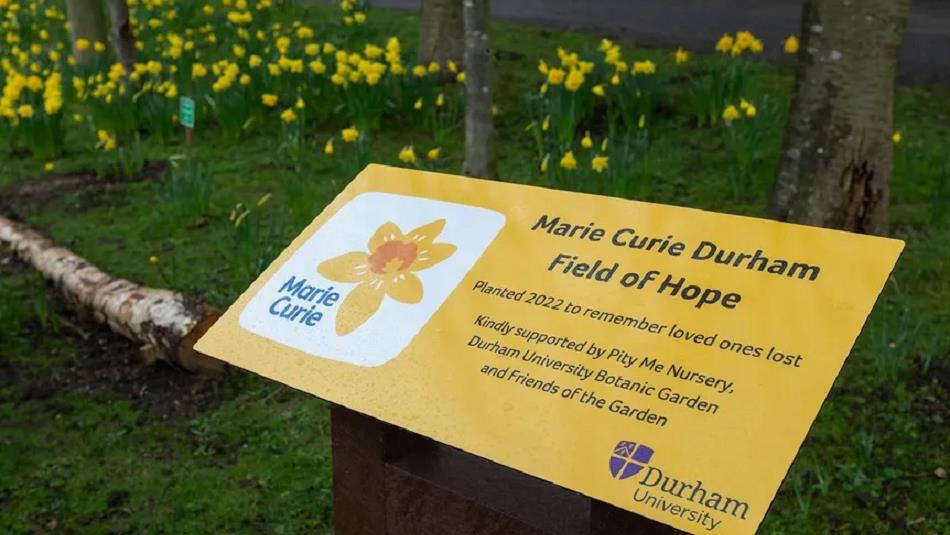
(122, 37)
(165, 322)
(440, 31)
(86, 21)
(838, 155)
(479, 130)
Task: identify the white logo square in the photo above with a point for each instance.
(370, 278)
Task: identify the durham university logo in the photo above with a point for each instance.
(629, 458)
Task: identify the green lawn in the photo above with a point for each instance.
(84, 450)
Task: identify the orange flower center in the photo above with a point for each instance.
(393, 256)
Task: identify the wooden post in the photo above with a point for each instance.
(389, 481)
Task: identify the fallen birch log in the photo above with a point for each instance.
(166, 323)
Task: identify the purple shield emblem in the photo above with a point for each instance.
(628, 459)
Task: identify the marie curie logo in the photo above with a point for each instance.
(366, 282)
(629, 458)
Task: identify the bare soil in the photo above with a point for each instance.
(98, 360)
(22, 197)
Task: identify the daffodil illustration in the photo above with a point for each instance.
(388, 268)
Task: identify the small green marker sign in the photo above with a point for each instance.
(186, 112)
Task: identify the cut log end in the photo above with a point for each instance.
(194, 360)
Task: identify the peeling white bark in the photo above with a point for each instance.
(165, 322)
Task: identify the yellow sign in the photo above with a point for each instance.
(666, 360)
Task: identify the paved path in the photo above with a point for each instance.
(696, 24)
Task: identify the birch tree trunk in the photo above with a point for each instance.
(440, 31)
(86, 21)
(838, 155)
(479, 128)
(166, 323)
(122, 37)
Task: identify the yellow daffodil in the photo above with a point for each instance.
(586, 141)
(574, 80)
(725, 43)
(730, 113)
(790, 46)
(599, 163)
(433, 154)
(407, 154)
(288, 116)
(556, 76)
(49, 166)
(269, 100)
(897, 137)
(680, 56)
(106, 140)
(598, 90)
(644, 67)
(317, 67)
(568, 161)
(350, 134)
(328, 147)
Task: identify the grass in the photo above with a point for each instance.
(95, 462)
